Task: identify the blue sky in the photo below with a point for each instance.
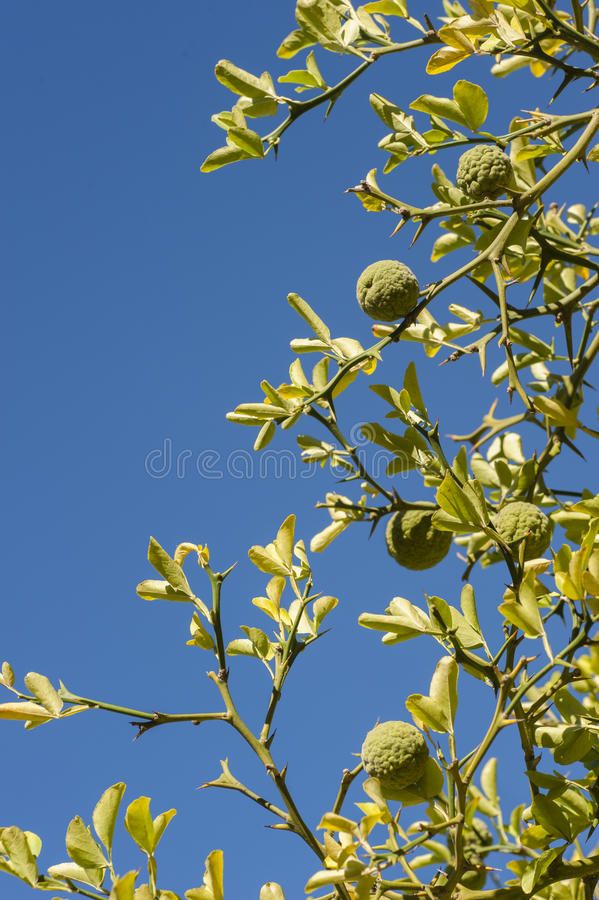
(143, 300)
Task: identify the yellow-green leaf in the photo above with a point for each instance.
(223, 156)
(445, 59)
(81, 846)
(139, 824)
(105, 813)
(247, 140)
(43, 691)
(22, 860)
(473, 103)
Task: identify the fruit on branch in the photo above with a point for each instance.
(413, 542)
(484, 171)
(387, 290)
(524, 521)
(396, 754)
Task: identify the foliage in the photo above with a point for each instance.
(529, 262)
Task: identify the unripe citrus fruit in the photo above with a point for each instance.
(484, 171)
(387, 290)
(413, 542)
(518, 521)
(396, 754)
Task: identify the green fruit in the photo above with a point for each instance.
(524, 521)
(413, 542)
(484, 171)
(396, 754)
(387, 290)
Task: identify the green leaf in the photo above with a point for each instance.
(577, 742)
(8, 676)
(284, 541)
(556, 411)
(301, 77)
(550, 817)
(324, 878)
(307, 313)
(168, 568)
(468, 604)
(334, 822)
(105, 813)
(411, 385)
(404, 620)
(200, 637)
(259, 641)
(388, 8)
(488, 780)
(262, 411)
(537, 868)
(42, 690)
(256, 109)
(523, 612)
(214, 874)
(322, 607)
(241, 82)
(74, 872)
(22, 860)
(454, 500)
(265, 435)
(439, 106)
(24, 712)
(320, 19)
(268, 560)
(271, 891)
(437, 711)
(326, 537)
(151, 589)
(223, 156)
(445, 59)
(122, 889)
(294, 42)
(161, 823)
(247, 140)
(139, 824)
(242, 647)
(82, 848)
(473, 103)
(143, 892)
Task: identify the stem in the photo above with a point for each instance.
(334, 429)
(346, 781)
(564, 163)
(216, 583)
(572, 35)
(278, 777)
(513, 379)
(153, 718)
(298, 108)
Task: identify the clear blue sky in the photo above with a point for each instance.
(142, 301)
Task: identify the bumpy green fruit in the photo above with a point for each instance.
(520, 520)
(413, 542)
(396, 754)
(387, 290)
(484, 171)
